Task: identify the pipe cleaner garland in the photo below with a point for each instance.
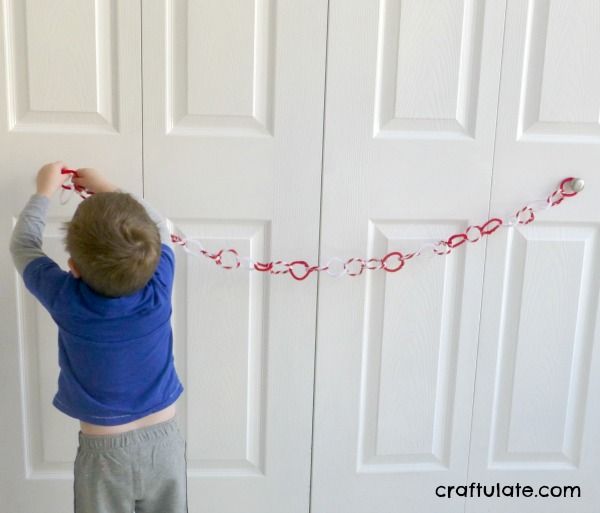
(355, 266)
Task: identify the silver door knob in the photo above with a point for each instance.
(576, 184)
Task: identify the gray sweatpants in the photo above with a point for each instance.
(143, 468)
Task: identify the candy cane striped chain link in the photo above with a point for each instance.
(391, 262)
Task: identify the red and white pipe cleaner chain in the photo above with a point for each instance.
(355, 266)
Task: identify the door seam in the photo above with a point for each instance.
(485, 251)
(312, 437)
(142, 91)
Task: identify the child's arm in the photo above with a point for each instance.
(93, 180)
(26, 239)
(42, 275)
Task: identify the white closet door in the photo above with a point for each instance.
(537, 408)
(69, 90)
(410, 116)
(233, 116)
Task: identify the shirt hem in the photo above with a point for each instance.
(117, 419)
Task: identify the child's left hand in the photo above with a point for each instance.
(50, 178)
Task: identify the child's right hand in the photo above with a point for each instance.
(92, 180)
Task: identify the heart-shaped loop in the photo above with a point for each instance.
(307, 269)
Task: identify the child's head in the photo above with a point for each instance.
(114, 245)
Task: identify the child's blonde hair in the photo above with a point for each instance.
(114, 243)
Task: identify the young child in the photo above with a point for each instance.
(117, 373)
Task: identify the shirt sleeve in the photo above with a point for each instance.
(41, 275)
(26, 238)
(45, 279)
(165, 271)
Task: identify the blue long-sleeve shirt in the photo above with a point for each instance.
(115, 354)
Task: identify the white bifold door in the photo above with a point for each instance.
(214, 111)
(536, 416)
(70, 90)
(411, 102)
(481, 366)
(308, 130)
(233, 122)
